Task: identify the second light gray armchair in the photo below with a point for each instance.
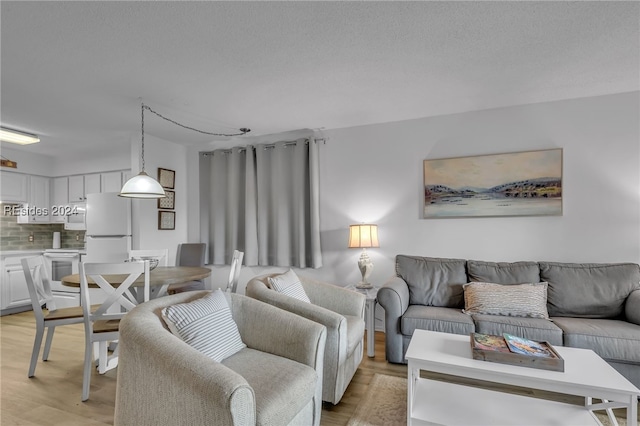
(341, 311)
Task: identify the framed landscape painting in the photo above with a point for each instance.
(514, 184)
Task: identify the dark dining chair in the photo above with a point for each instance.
(189, 254)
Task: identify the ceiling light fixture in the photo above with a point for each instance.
(17, 137)
(142, 185)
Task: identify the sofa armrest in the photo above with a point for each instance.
(393, 296)
(335, 298)
(268, 329)
(177, 375)
(632, 307)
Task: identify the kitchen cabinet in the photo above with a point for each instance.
(111, 181)
(59, 197)
(76, 188)
(38, 201)
(14, 187)
(91, 184)
(13, 287)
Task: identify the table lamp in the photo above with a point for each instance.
(364, 236)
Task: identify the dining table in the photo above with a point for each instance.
(161, 277)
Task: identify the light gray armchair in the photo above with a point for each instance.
(341, 311)
(276, 380)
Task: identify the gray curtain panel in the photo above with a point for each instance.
(264, 200)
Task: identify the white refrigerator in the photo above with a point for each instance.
(108, 234)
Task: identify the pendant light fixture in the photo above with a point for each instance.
(142, 185)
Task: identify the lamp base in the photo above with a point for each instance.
(364, 285)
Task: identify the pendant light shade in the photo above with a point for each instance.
(142, 186)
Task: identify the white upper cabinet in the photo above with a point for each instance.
(91, 184)
(76, 189)
(111, 181)
(59, 197)
(38, 201)
(14, 187)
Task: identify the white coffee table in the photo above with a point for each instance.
(432, 402)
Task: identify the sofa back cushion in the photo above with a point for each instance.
(503, 272)
(433, 281)
(589, 290)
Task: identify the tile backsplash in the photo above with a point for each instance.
(15, 236)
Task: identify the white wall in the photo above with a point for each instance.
(146, 235)
(374, 174)
(28, 162)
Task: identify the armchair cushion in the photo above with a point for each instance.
(206, 324)
(289, 284)
(281, 390)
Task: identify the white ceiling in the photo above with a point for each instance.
(74, 72)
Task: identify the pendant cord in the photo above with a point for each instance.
(243, 130)
(143, 105)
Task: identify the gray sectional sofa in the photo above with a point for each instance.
(590, 305)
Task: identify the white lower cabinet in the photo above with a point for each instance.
(14, 291)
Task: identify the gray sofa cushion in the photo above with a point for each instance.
(589, 290)
(538, 329)
(611, 339)
(433, 281)
(503, 272)
(445, 320)
(281, 390)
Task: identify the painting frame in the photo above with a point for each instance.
(168, 202)
(167, 178)
(525, 183)
(166, 220)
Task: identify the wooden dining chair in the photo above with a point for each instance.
(40, 293)
(102, 325)
(234, 272)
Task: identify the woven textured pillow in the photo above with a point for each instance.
(289, 284)
(515, 300)
(206, 324)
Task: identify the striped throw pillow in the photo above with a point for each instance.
(289, 284)
(206, 324)
(516, 300)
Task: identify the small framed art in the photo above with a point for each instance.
(166, 220)
(168, 202)
(167, 178)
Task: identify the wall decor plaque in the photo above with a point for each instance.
(168, 202)
(167, 178)
(166, 220)
(514, 184)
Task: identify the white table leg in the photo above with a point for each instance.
(410, 389)
(371, 328)
(632, 411)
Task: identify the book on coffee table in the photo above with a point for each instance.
(515, 350)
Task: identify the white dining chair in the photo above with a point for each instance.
(234, 272)
(40, 293)
(102, 325)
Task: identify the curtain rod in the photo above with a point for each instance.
(267, 146)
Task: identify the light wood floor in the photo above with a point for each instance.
(52, 397)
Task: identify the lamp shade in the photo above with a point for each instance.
(363, 236)
(142, 186)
